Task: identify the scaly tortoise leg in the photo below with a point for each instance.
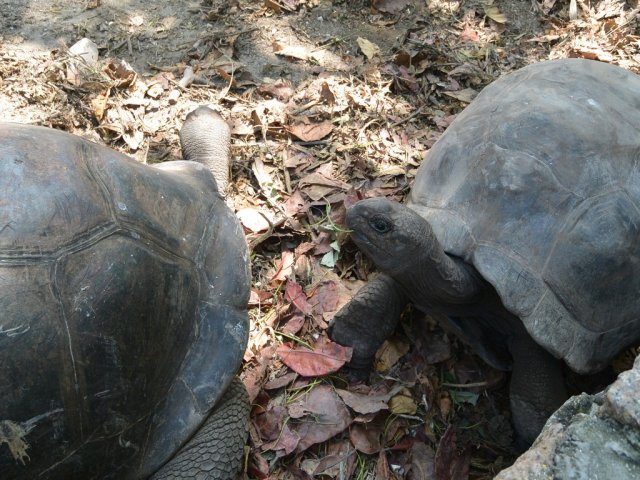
(537, 387)
(215, 451)
(368, 319)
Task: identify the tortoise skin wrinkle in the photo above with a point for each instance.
(123, 292)
(522, 229)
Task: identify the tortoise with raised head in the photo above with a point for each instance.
(123, 292)
(522, 229)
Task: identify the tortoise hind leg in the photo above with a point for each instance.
(368, 319)
(537, 387)
(215, 451)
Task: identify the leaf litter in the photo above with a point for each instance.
(329, 102)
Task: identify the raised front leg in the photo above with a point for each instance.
(215, 451)
(537, 387)
(368, 319)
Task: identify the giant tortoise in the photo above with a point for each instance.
(123, 292)
(522, 230)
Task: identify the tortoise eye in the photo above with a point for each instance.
(380, 224)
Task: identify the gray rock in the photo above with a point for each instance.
(591, 437)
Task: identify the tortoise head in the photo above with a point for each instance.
(391, 234)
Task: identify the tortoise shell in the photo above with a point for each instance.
(537, 184)
(123, 292)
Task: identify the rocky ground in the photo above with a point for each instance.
(330, 102)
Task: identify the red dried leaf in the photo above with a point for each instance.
(326, 357)
(449, 464)
(258, 466)
(382, 467)
(366, 437)
(469, 35)
(310, 132)
(325, 297)
(422, 462)
(280, 89)
(324, 416)
(294, 294)
(294, 324)
(340, 461)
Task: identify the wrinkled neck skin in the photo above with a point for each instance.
(447, 285)
(441, 279)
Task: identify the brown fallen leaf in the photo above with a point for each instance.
(366, 437)
(365, 404)
(284, 267)
(403, 403)
(280, 382)
(326, 94)
(295, 294)
(325, 297)
(324, 415)
(422, 462)
(326, 357)
(293, 51)
(391, 6)
(310, 132)
(382, 467)
(389, 354)
(121, 73)
(99, 104)
(254, 376)
(294, 324)
(449, 463)
(466, 95)
(340, 461)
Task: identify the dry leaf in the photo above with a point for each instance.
(494, 14)
(422, 462)
(327, 416)
(310, 132)
(366, 437)
(285, 267)
(370, 49)
(339, 462)
(325, 297)
(326, 94)
(391, 6)
(253, 219)
(403, 403)
(449, 464)
(469, 35)
(99, 104)
(294, 294)
(389, 354)
(293, 51)
(326, 357)
(382, 467)
(365, 404)
(466, 95)
(294, 324)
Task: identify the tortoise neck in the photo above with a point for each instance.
(438, 279)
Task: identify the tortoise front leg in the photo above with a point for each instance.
(537, 386)
(368, 319)
(215, 451)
